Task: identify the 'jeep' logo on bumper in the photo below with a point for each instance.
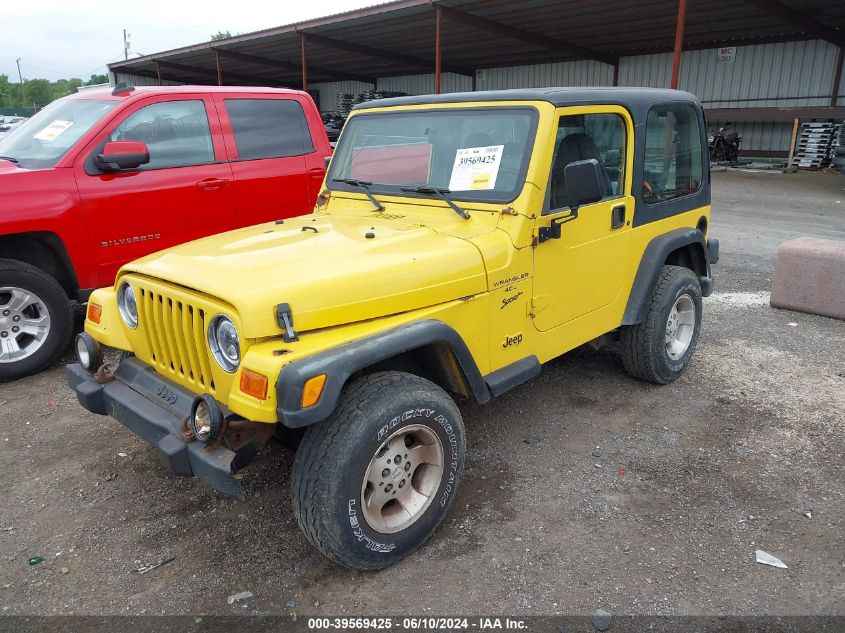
(165, 394)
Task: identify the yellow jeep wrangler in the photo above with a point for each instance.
(460, 242)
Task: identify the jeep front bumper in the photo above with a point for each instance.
(154, 408)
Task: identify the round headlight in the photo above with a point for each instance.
(206, 419)
(223, 339)
(127, 305)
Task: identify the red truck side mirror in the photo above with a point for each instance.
(118, 155)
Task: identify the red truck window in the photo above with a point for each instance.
(176, 133)
(269, 128)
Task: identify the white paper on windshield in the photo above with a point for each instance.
(476, 168)
(53, 131)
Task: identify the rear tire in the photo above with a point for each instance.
(367, 487)
(659, 348)
(36, 320)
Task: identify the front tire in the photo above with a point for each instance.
(35, 319)
(659, 349)
(371, 483)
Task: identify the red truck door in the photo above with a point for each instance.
(183, 193)
(277, 165)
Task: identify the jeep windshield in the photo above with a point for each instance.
(476, 154)
(41, 141)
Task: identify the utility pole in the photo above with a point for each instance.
(20, 78)
(125, 44)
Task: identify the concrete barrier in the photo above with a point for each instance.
(810, 277)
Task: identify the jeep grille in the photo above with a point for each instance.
(175, 333)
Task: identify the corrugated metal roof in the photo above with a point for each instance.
(344, 46)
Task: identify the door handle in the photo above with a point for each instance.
(317, 173)
(212, 183)
(617, 216)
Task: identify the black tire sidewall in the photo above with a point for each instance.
(686, 284)
(354, 533)
(58, 307)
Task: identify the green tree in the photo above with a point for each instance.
(221, 35)
(97, 79)
(38, 92)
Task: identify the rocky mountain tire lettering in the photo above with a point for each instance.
(407, 415)
(453, 461)
(369, 543)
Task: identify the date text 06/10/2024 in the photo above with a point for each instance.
(417, 623)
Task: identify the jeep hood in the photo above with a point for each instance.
(331, 270)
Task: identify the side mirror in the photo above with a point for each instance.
(118, 155)
(586, 182)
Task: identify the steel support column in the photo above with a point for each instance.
(304, 61)
(158, 72)
(679, 42)
(438, 60)
(837, 76)
(219, 68)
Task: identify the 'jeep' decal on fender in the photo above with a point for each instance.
(511, 341)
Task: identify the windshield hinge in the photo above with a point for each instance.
(509, 211)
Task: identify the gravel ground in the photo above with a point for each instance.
(584, 488)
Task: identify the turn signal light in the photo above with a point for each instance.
(312, 389)
(254, 384)
(95, 312)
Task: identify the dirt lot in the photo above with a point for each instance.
(727, 460)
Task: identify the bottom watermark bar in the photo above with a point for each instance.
(413, 624)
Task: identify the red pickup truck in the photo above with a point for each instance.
(103, 177)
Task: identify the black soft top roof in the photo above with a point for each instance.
(635, 99)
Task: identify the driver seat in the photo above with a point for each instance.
(572, 148)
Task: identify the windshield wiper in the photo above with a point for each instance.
(10, 159)
(363, 186)
(441, 193)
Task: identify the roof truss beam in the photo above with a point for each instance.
(275, 63)
(209, 72)
(521, 35)
(801, 20)
(378, 53)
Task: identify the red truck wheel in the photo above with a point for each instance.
(35, 319)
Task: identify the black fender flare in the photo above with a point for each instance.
(341, 362)
(652, 261)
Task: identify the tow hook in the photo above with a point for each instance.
(104, 374)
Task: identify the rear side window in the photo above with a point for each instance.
(269, 128)
(673, 165)
(176, 133)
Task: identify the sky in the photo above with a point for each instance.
(58, 39)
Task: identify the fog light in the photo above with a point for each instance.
(206, 419)
(88, 352)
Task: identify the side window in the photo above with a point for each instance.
(176, 133)
(586, 136)
(672, 165)
(269, 128)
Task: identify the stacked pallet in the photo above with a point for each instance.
(812, 149)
